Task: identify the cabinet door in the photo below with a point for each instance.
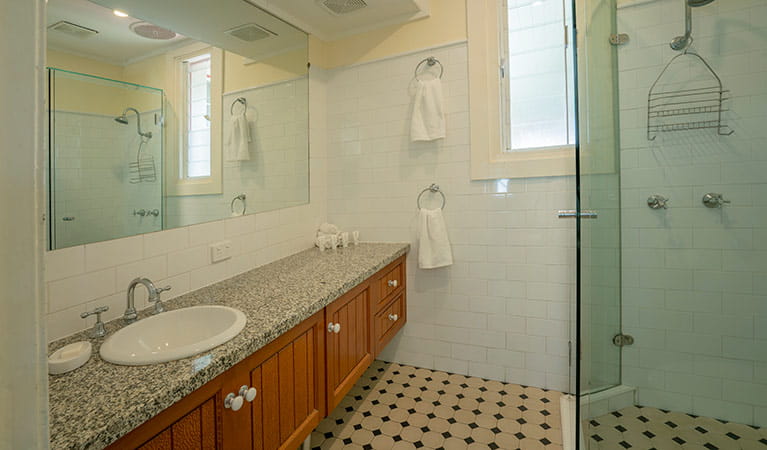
(193, 422)
(289, 403)
(197, 430)
(389, 320)
(349, 344)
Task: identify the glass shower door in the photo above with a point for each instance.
(599, 201)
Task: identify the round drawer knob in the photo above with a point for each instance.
(233, 402)
(337, 328)
(248, 393)
(393, 283)
(393, 317)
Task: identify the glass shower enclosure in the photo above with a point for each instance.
(672, 182)
(105, 169)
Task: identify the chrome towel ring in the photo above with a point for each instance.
(435, 190)
(241, 100)
(241, 198)
(430, 61)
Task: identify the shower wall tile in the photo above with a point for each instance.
(692, 291)
(82, 277)
(501, 310)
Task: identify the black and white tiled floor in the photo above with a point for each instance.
(402, 407)
(647, 428)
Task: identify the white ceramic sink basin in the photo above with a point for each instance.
(173, 335)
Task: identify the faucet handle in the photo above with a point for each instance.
(98, 328)
(162, 289)
(158, 306)
(97, 312)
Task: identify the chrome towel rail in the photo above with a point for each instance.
(430, 61)
(433, 188)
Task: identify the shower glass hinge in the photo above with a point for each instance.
(622, 340)
(619, 39)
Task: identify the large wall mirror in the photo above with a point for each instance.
(166, 114)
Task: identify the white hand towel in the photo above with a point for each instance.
(428, 121)
(239, 138)
(433, 243)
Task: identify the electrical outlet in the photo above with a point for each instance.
(220, 251)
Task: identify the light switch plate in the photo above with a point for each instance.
(220, 251)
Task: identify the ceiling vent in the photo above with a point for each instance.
(341, 7)
(250, 32)
(72, 29)
(151, 31)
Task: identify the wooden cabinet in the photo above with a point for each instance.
(389, 321)
(193, 422)
(196, 429)
(391, 279)
(349, 349)
(291, 385)
(298, 378)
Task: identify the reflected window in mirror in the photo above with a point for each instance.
(194, 106)
(197, 107)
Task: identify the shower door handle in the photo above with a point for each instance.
(571, 213)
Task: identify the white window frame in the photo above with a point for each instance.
(178, 184)
(489, 158)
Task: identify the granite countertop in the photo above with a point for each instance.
(100, 402)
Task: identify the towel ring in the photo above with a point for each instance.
(430, 61)
(237, 100)
(240, 197)
(433, 189)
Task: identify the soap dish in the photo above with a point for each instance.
(69, 357)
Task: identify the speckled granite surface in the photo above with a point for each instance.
(98, 403)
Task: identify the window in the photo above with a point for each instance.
(196, 162)
(521, 96)
(193, 134)
(537, 76)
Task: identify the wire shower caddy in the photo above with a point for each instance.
(702, 106)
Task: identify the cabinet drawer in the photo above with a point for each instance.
(392, 281)
(389, 320)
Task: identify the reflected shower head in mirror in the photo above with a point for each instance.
(682, 43)
(123, 119)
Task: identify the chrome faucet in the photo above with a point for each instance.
(131, 315)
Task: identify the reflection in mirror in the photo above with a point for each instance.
(161, 119)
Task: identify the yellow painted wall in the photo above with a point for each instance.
(68, 61)
(147, 72)
(238, 75)
(447, 23)
(77, 94)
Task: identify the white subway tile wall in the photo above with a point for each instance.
(82, 277)
(501, 311)
(693, 278)
(91, 174)
(277, 174)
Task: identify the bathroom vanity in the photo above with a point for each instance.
(316, 320)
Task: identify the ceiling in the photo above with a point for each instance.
(312, 18)
(115, 43)
(208, 20)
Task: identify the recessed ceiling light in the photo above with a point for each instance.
(119, 13)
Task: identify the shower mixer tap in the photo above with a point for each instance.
(657, 201)
(714, 200)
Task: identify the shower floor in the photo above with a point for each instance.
(651, 428)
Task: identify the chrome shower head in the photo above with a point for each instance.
(696, 3)
(123, 119)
